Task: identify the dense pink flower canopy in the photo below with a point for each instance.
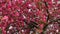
(29, 16)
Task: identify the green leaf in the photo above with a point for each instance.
(0, 31)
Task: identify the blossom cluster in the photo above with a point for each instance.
(30, 16)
